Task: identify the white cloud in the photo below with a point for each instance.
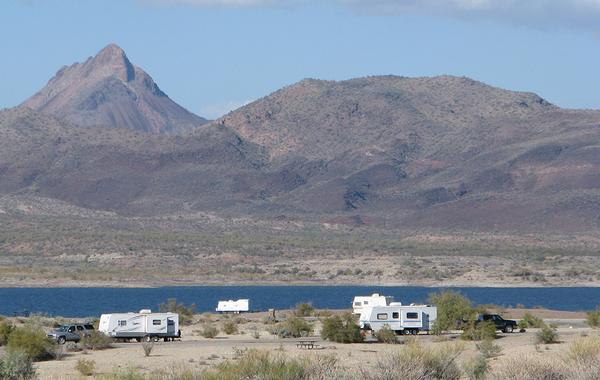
(547, 13)
(216, 110)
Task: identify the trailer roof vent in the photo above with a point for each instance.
(145, 311)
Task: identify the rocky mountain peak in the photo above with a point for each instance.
(108, 90)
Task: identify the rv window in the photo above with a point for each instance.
(156, 322)
(382, 316)
(357, 303)
(122, 323)
(366, 302)
(412, 315)
(170, 322)
(395, 315)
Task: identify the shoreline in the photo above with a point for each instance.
(165, 284)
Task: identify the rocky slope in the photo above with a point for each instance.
(108, 90)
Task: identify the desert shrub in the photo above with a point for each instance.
(147, 347)
(386, 335)
(530, 321)
(209, 331)
(96, 340)
(417, 362)
(17, 365)
(258, 365)
(475, 368)
(341, 329)
(304, 310)
(230, 328)
(86, 367)
(452, 308)
(5, 329)
(585, 350)
(593, 318)
(526, 368)
(479, 331)
(186, 313)
(547, 335)
(32, 341)
(132, 373)
(293, 328)
(488, 349)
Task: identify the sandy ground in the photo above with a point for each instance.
(196, 351)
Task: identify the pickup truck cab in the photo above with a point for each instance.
(505, 325)
(70, 333)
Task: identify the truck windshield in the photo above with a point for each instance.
(63, 328)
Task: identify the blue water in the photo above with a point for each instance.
(86, 302)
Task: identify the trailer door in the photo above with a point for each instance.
(171, 327)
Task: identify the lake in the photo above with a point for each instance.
(86, 302)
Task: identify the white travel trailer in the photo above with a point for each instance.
(143, 325)
(239, 306)
(361, 302)
(409, 319)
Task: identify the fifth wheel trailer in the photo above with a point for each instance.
(143, 325)
(403, 319)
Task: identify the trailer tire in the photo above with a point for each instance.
(147, 338)
(155, 338)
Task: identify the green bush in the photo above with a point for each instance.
(32, 341)
(17, 365)
(475, 368)
(547, 335)
(186, 313)
(96, 340)
(230, 328)
(293, 327)
(209, 331)
(386, 335)
(417, 362)
(86, 367)
(452, 308)
(479, 331)
(341, 329)
(593, 318)
(304, 310)
(6, 328)
(530, 321)
(258, 365)
(489, 349)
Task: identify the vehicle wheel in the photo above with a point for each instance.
(155, 339)
(61, 340)
(147, 338)
(138, 340)
(508, 329)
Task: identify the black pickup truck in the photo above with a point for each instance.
(505, 325)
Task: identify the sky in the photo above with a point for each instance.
(212, 56)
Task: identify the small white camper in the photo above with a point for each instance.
(239, 306)
(361, 302)
(143, 325)
(409, 319)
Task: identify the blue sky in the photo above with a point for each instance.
(213, 55)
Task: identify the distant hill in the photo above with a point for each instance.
(108, 90)
(442, 152)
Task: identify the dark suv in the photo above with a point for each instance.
(70, 333)
(505, 325)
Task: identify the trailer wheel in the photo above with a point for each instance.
(155, 338)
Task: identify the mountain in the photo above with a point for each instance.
(441, 152)
(447, 152)
(108, 90)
